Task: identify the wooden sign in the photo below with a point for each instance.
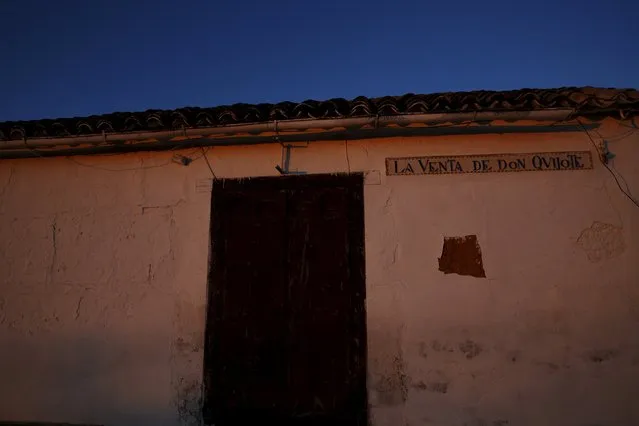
(490, 163)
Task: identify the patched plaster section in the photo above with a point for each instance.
(602, 241)
(462, 255)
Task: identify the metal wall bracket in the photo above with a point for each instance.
(284, 169)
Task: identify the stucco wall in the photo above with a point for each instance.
(103, 265)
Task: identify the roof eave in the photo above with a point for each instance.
(276, 131)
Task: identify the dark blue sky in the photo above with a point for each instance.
(79, 57)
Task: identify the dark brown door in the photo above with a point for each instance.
(286, 332)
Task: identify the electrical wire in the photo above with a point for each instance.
(126, 169)
(617, 137)
(208, 164)
(621, 177)
(154, 166)
(614, 139)
(633, 126)
(204, 151)
(614, 175)
(93, 166)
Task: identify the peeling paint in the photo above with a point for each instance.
(439, 387)
(389, 380)
(420, 385)
(551, 367)
(602, 241)
(601, 355)
(436, 381)
(422, 350)
(514, 356)
(186, 352)
(189, 402)
(392, 387)
(470, 348)
(438, 346)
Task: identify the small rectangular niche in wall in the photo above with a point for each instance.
(462, 256)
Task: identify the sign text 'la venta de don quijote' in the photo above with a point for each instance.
(437, 165)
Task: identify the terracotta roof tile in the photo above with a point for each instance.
(586, 101)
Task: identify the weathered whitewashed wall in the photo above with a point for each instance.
(103, 264)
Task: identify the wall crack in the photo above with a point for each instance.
(162, 206)
(9, 181)
(54, 255)
(77, 309)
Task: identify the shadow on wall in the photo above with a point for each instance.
(93, 378)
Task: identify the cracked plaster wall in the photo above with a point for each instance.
(103, 285)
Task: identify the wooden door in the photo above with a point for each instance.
(286, 332)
